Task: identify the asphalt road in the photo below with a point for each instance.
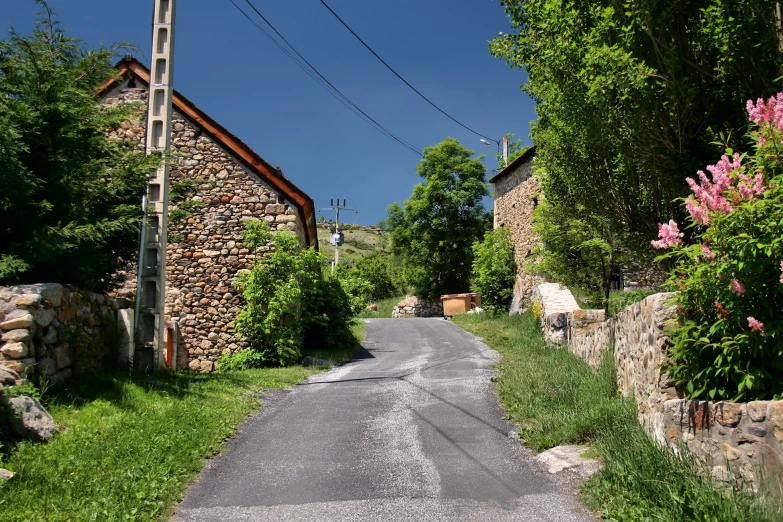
(410, 430)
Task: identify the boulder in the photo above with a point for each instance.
(16, 336)
(16, 320)
(30, 420)
(15, 350)
(6, 475)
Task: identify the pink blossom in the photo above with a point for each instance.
(698, 213)
(781, 271)
(737, 287)
(751, 187)
(767, 113)
(669, 234)
(756, 325)
(708, 255)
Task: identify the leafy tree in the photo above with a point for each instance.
(494, 270)
(434, 230)
(376, 270)
(578, 249)
(70, 204)
(630, 96)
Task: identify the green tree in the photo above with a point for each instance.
(70, 203)
(375, 269)
(630, 96)
(494, 270)
(434, 230)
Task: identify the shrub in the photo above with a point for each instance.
(289, 304)
(375, 269)
(729, 344)
(494, 270)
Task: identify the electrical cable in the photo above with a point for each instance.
(307, 67)
(455, 120)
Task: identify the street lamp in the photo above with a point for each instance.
(505, 147)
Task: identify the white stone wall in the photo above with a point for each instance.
(413, 306)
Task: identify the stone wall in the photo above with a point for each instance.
(413, 306)
(206, 251)
(51, 329)
(553, 303)
(516, 196)
(747, 436)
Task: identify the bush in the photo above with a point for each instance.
(619, 301)
(289, 304)
(494, 270)
(375, 269)
(729, 344)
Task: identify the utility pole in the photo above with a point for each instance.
(505, 150)
(150, 324)
(336, 238)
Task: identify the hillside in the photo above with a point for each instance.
(359, 241)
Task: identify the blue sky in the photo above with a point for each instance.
(230, 70)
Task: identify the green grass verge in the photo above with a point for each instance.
(130, 445)
(344, 353)
(556, 399)
(385, 308)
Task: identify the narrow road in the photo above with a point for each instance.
(411, 430)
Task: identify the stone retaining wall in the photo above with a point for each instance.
(553, 302)
(413, 306)
(746, 436)
(51, 329)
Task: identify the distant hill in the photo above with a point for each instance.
(359, 241)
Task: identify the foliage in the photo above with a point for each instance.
(557, 399)
(376, 269)
(93, 470)
(70, 204)
(630, 95)
(494, 270)
(619, 301)
(433, 231)
(358, 289)
(578, 249)
(289, 304)
(729, 344)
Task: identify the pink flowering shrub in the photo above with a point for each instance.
(729, 342)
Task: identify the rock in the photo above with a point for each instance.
(60, 378)
(728, 414)
(47, 366)
(6, 475)
(28, 300)
(213, 336)
(195, 365)
(729, 452)
(61, 357)
(757, 431)
(15, 350)
(721, 474)
(373, 307)
(207, 366)
(315, 361)
(19, 365)
(50, 336)
(17, 319)
(776, 415)
(757, 410)
(8, 376)
(16, 336)
(45, 316)
(569, 458)
(30, 420)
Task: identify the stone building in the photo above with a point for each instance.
(516, 196)
(231, 184)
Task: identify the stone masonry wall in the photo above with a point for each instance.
(515, 199)
(50, 328)
(413, 306)
(747, 436)
(206, 251)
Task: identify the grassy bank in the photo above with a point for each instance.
(556, 399)
(129, 446)
(385, 308)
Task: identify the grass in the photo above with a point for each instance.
(130, 445)
(556, 399)
(385, 308)
(358, 243)
(344, 353)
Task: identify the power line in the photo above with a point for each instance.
(307, 67)
(455, 120)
